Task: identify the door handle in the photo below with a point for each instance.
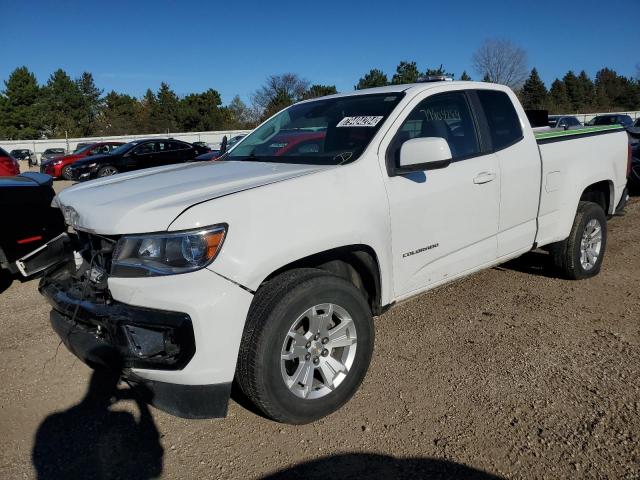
(484, 177)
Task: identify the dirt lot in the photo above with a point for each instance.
(510, 372)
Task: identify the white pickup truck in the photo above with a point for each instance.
(267, 267)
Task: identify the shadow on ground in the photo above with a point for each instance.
(90, 440)
(538, 262)
(6, 279)
(354, 466)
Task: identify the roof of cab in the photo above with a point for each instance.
(414, 88)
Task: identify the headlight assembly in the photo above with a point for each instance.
(167, 253)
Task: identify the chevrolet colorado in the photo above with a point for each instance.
(267, 266)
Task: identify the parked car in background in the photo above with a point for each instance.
(611, 119)
(28, 220)
(50, 153)
(8, 165)
(203, 146)
(233, 140)
(564, 121)
(60, 167)
(24, 154)
(134, 155)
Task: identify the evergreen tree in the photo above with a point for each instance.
(406, 72)
(319, 91)
(558, 98)
(19, 110)
(118, 115)
(375, 78)
(91, 104)
(465, 76)
(534, 93)
(572, 87)
(202, 112)
(62, 104)
(587, 91)
(167, 106)
(147, 113)
(429, 72)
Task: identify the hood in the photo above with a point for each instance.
(149, 200)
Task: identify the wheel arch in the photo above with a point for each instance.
(357, 264)
(601, 193)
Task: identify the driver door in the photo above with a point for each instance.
(444, 222)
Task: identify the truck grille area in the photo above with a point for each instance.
(91, 323)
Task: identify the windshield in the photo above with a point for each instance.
(84, 148)
(324, 132)
(124, 148)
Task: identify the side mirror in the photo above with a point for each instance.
(426, 153)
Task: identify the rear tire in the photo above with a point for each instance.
(581, 254)
(107, 171)
(300, 374)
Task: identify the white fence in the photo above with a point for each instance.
(39, 146)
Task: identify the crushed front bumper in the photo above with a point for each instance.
(168, 336)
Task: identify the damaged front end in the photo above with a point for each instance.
(95, 327)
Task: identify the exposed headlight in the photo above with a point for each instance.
(92, 165)
(167, 253)
(57, 162)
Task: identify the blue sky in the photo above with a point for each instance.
(233, 46)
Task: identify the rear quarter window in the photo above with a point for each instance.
(502, 119)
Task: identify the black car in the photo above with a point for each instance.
(135, 156)
(24, 154)
(612, 119)
(28, 220)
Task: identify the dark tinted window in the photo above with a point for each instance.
(145, 148)
(447, 116)
(573, 121)
(504, 125)
(606, 120)
(178, 146)
(3, 153)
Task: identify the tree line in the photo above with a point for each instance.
(78, 108)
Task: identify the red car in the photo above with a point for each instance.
(8, 165)
(59, 167)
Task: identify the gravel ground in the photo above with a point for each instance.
(508, 373)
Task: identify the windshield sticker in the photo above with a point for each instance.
(431, 114)
(359, 121)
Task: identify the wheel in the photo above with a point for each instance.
(66, 173)
(306, 347)
(107, 171)
(580, 256)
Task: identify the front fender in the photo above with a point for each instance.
(274, 225)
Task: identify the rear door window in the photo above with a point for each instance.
(502, 119)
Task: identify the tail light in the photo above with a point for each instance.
(10, 164)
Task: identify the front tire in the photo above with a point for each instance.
(306, 347)
(66, 173)
(580, 256)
